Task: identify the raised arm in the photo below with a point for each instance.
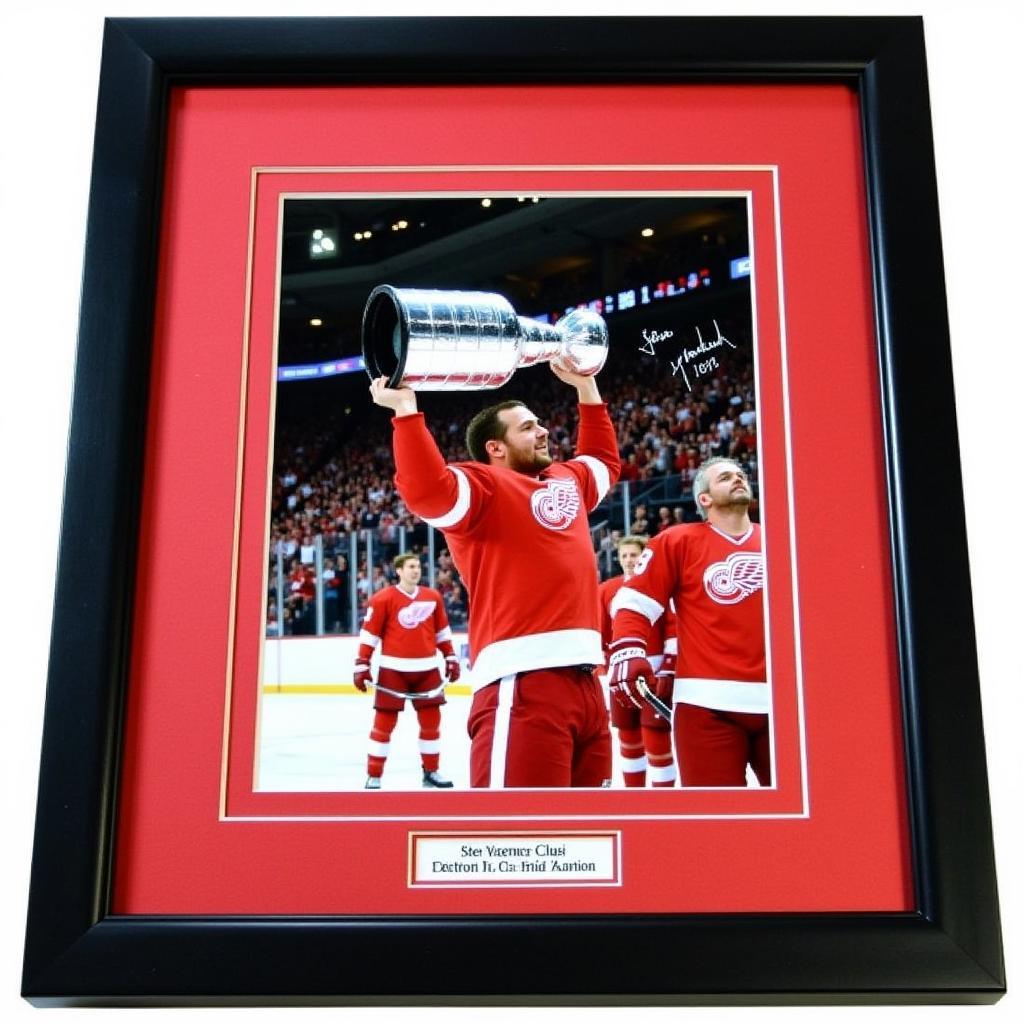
(401, 401)
(437, 493)
(597, 445)
(586, 386)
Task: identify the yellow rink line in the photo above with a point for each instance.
(456, 690)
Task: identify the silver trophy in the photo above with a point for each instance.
(468, 341)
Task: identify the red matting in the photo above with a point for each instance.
(193, 837)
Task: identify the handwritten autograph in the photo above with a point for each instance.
(652, 338)
(698, 360)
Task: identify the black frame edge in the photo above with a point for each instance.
(931, 573)
(90, 637)
(76, 954)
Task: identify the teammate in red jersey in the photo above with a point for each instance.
(714, 573)
(409, 624)
(645, 738)
(516, 525)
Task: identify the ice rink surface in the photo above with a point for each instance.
(316, 743)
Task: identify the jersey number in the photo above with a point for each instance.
(643, 561)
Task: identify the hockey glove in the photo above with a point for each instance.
(626, 666)
(452, 668)
(361, 675)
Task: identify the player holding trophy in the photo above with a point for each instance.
(514, 520)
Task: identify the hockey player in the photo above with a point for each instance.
(516, 524)
(714, 573)
(409, 624)
(645, 738)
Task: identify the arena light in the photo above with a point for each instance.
(739, 267)
(316, 322)
(323, 244)
(647, 232)
(485, 202)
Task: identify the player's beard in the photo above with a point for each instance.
(531, 461)
(738, 502)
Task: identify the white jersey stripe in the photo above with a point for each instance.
(368, 638)
(599, 471)
(634, 601)
(375, 749)
(499, 742)
(443, 634)
(634, 764)
(458, 511)
(722, 695)
(430, 746)
(553, 649)
(408, 664)
(666, 774)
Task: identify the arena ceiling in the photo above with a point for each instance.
(459, 243)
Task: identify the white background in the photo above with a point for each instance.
(49, 62)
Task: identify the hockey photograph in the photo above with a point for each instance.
(514, 532)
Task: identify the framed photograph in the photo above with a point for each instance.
(742, 213)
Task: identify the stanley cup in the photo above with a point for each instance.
(468, 341)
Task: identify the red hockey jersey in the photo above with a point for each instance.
(521, 544)
(409, 628)
(656, 646)
(717, 585)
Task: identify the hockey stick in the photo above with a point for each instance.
(425, 695)
(653, 699)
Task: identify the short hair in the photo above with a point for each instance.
(486, 426)
(633, 538)
(399, 560)
(701, 484)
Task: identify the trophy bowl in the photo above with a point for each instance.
(434, 340)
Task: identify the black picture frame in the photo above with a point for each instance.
(947, 950)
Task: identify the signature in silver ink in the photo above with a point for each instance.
(652, 338)
(691, 357)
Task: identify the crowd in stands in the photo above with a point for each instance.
(331, 481)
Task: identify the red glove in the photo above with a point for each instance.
(626, 666)
(361, 675)
(452, 668)
(665, 680)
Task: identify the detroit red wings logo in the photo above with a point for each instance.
(556, 505)
(416, 612)
(739, 576)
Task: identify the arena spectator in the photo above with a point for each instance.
(330, 481)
